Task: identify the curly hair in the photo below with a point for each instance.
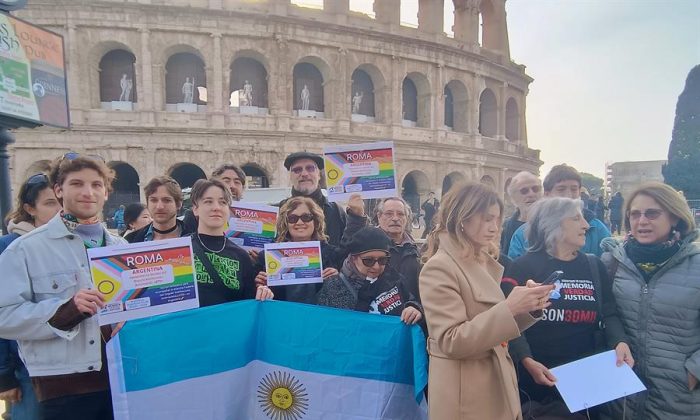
(291, 205)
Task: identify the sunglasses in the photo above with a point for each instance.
(39, 180)
(650, 214)
(369, 262)
(297, 170)
(294, 218)
(534, 188)
(70, 156)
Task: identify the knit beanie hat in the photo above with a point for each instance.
(369, 239)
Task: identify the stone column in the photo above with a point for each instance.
(158, 86)
(338, 8)
(388, 11)
(280, 77)
(466, 21)
(217, 90)
(144, 88)
(431, 16)
(477, 85)
(278, 7)
(439, 89)
(394, 103)
(341, 88)
(502, 99)
(77, 99)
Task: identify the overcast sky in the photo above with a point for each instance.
(607, 73)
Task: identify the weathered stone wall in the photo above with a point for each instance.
(280, 35)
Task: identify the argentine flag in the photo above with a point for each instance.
(269, 360)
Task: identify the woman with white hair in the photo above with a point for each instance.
(583, 314)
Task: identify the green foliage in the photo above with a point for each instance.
(683, 168)
(592, 183)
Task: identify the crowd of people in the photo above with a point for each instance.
(495, 326)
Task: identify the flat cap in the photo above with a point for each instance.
(293, 157)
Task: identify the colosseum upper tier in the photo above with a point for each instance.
(266, 78)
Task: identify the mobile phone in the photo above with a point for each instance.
(556, 275)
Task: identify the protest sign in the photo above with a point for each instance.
(144, 279)
(293, 263)
(595, 380)
(367, 169)
(251, 226)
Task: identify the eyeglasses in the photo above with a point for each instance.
(369, 262)
(292, 219)
(74, 155)
(297, 170)
(534, 188)
(650, 214)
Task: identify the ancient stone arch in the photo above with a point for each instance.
(512, 120)
(488, 114)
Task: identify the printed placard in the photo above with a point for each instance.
(144, 279)
(293, 263)
(251, 226)
(32, 74)
(367, 169)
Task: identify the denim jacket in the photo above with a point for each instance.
(42, 270)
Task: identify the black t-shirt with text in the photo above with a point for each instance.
(566, 331)
(233, 266)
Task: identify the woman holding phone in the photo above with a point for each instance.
(582, 319)
(469, 320)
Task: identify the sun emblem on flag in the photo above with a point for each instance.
(282, 396)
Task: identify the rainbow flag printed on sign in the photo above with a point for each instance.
(251, 226)
(144, 279)
(367, 169)
(293, 263)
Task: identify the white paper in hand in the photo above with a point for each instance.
(595, 380)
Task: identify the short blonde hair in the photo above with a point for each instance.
(460, 204)
(670, 201)
(291, 205)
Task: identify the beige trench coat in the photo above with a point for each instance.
(469, 324)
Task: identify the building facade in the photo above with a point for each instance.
(625, 177)
(180, 86)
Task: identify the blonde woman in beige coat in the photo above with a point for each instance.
(469, 320)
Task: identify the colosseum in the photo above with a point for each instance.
(266, 78)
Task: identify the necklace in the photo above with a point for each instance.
(211, 250)
(166, 231)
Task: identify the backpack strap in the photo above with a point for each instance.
(347, 284)
(198, 250)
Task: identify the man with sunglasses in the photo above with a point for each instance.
(305, 176)
(163, 200)
(564, 181)
(367, 283)
(48, 300)
(524, 190)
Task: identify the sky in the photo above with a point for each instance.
(607, 73)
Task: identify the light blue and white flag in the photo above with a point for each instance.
(270, 361)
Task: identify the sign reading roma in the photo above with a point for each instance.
(32, 75)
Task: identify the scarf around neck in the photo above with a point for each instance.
(650, 258)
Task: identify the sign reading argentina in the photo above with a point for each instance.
(268, 361)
